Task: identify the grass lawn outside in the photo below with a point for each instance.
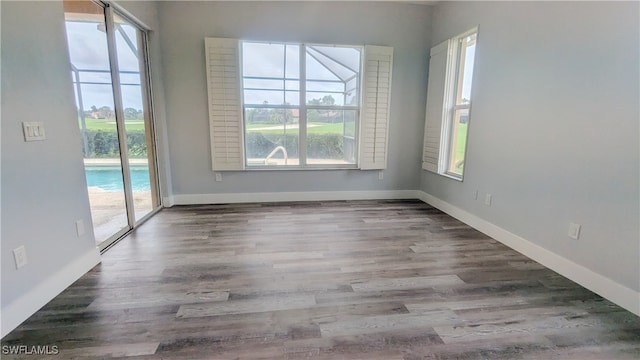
(312, 128)
(110, 124)
(461, 145)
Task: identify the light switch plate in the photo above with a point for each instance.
(33, 130)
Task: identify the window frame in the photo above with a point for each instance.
(451, 107)
(222, 64)
(302, 108)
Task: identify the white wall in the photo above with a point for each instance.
(186, 24)
(554, 127)
(43, 184)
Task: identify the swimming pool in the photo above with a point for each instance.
(109, 178)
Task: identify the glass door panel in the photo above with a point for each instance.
(137, 121)
(108, 62)
(91, 72)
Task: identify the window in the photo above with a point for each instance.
(449, 105)
(282, 105)
(298, 117)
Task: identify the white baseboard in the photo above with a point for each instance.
(22, 308)
(601, 285)
(231, 198)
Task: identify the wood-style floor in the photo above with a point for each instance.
(327, 280)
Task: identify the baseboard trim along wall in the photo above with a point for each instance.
(232, 198)
(601, 285)
(22, 308)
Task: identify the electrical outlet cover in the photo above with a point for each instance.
(20, 256)
(574, 231)
(80, 227)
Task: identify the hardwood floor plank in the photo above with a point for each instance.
(407, 283)
(386, 323)
(373, 345)
(112, 351)
(246, 306)
(136, 299)
(479, 303)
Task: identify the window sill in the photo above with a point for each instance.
(300, 168)
(452, 176)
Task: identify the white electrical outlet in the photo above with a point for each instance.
(475, 195)
(380, 175)
(574, 231)
(218, 177)
(20, 256)
(487, 199)
(80, 227)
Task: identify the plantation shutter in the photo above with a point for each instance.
(225, 108)
(374, 120)
(435, 106)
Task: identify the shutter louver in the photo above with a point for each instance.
(374, 124)
(225, 108)
(435, 107)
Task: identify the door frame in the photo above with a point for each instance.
(110, 11)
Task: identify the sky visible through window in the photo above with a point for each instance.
(88, 51)
(468, 70)
(272, 76)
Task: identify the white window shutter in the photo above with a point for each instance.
(225, 107)
(376, 100)
(435, 106)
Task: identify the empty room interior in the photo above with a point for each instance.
(320, 179)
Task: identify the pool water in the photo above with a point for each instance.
(109, 178)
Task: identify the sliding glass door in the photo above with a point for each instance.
(109, 69)
(137, 120)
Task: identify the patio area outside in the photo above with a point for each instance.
(106, 194)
